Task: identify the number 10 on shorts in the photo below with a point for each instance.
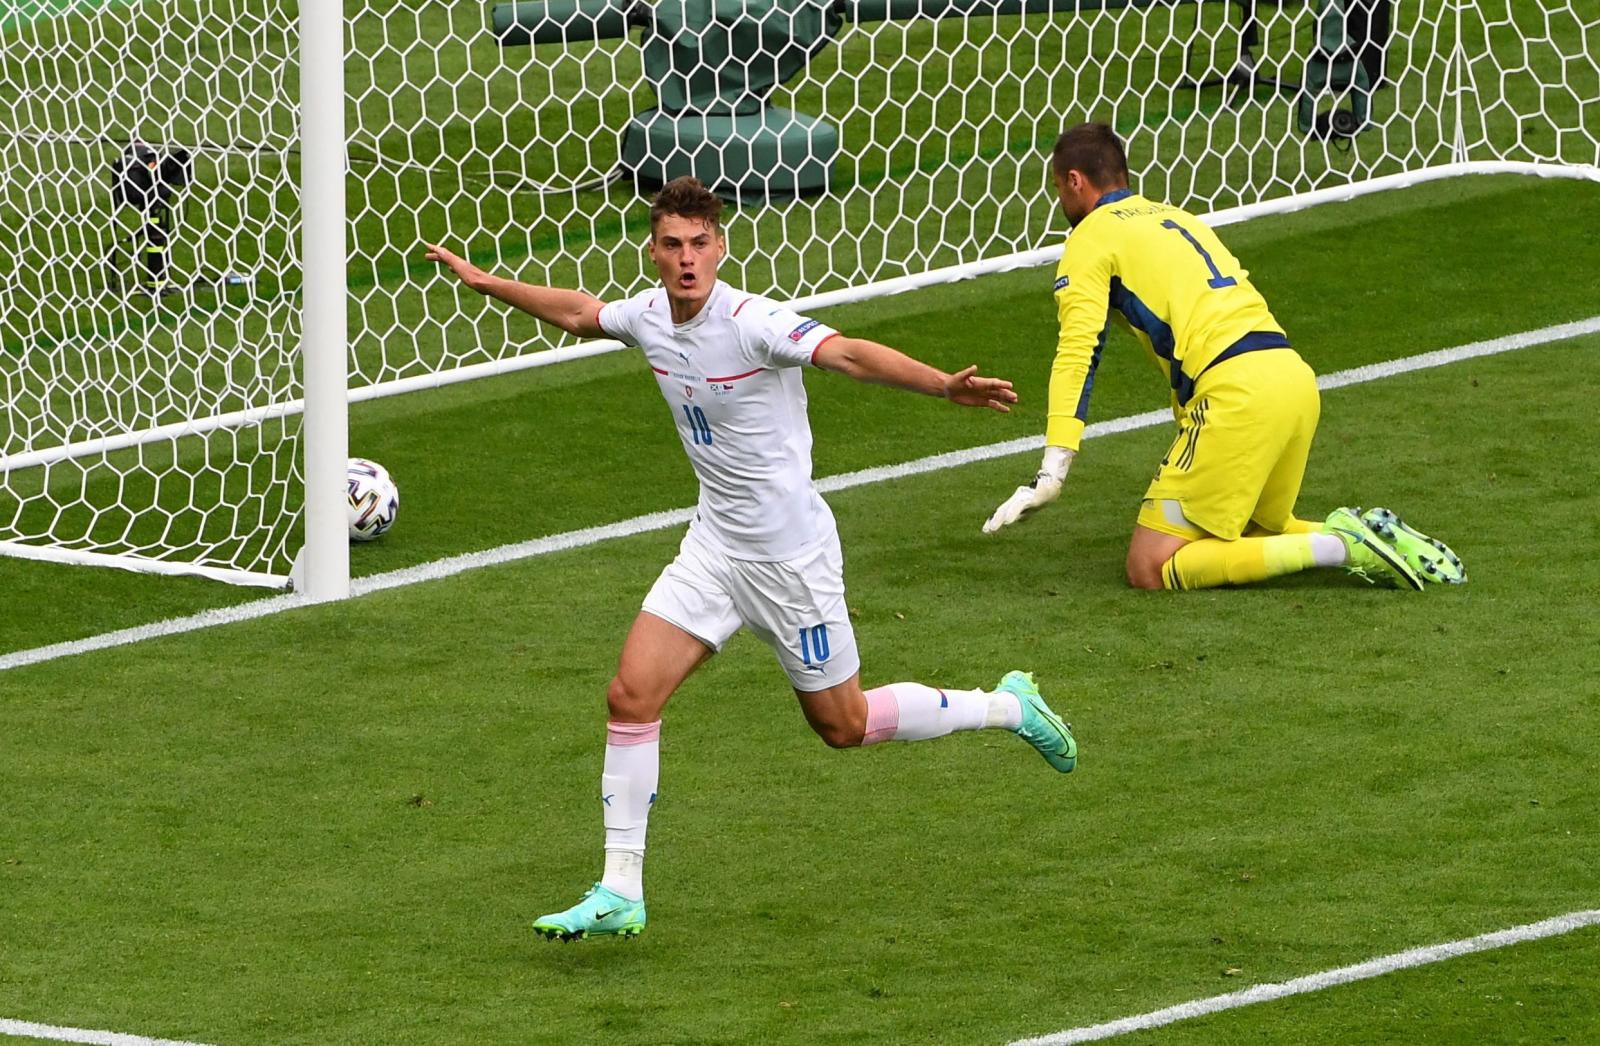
(814, 645)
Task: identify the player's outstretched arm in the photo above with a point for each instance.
(1083, 286)
(868, 361)
(573, 311)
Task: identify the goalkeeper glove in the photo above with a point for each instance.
(1045, 488)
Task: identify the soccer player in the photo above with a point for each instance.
(762, 551)
(1220, 510)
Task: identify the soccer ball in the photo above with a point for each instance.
(374, 499)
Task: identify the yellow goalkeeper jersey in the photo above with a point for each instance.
(1159, 270)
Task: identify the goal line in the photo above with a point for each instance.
(586, 536)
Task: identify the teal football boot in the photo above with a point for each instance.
(599, 914)
(1041, 727)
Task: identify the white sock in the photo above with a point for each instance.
(1327, 550)
(913, 712)
(627, 789)
(624, 873)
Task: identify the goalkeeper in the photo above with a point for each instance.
(1220, 510)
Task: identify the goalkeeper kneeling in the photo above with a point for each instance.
(1220, 510)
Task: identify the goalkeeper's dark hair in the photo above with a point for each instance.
(686, 197)
(1093, 150)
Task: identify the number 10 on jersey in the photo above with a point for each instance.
(699, 426)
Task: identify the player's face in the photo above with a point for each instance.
(1077, 195)
(686, 252)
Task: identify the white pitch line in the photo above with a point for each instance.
(89, 1036)
(1553, 927)
(140, 633)
(448, 567)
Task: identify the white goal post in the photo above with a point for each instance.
(214, 208)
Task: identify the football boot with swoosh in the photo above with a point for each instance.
(600, 913)
(1369, 556)
(1040, 726)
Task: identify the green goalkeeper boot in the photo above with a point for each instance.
(1430, 558)
(1041, 727)
(599, 914)
(1370, 557)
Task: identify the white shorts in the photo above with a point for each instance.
(796, 606)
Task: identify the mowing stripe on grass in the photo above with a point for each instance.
(443, 568)
(27, 1029)
(1553, 927)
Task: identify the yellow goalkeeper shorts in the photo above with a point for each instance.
(1241, 450)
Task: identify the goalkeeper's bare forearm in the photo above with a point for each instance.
(573, 311)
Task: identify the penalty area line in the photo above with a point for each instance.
(87, 1036)
(1378, 967)
(452, 565)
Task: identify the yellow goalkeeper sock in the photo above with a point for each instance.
(1210, 562)
(1294, 526)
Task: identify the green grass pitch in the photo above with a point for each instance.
(942, 161)
(335, 825)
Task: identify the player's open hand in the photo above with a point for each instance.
(1023, 502)
(467, 272)
(1045, 488)
(969, 390)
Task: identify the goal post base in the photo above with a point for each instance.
(141, 564)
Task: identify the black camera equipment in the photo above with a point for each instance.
(1241, 80)
(150, 183)
(1347, 63)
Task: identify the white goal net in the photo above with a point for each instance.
(150, 286)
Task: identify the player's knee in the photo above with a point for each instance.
(626, 702)
(1144, 573)
(840, 724)
(1150, 582)
(838, 715)
(840, 734)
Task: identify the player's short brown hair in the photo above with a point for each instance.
(686, 197)
(1093, 150)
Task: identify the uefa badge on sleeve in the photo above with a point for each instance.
(799, 333)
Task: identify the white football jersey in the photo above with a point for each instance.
(731, 379)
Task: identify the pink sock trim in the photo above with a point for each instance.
(633, 733)
(883, 715)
